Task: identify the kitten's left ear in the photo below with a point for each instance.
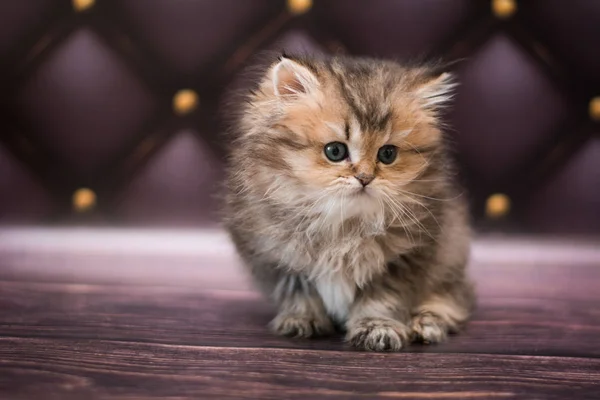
(290, 78)
(437, 90)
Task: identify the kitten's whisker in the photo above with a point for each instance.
(395, 215)
(425, 180)
(404, 192)
(413, 218)
(393, 210)
(426, 209)
(422, 228)
(392, 207)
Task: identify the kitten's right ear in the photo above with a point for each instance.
(290, 79)
(436, 91)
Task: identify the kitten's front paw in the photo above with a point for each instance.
(301, 326)
(429, 328)
(378, 334)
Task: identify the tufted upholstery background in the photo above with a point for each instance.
(87, 93)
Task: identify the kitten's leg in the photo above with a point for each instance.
(301, 310)
(447, 298)
(379, 319)
(442, 313)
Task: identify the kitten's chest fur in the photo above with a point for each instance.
(351, 258)
(337, 262)
(339, 267)
(355, 257)
(337, 294)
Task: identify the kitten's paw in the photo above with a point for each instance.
(429, 328)
(378, 334)
(301, 326)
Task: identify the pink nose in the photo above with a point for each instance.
(364, 179)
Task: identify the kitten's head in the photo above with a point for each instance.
(343, 133)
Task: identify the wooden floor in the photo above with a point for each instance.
(73, 335)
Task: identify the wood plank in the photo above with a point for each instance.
(65, 369)
(183, 316)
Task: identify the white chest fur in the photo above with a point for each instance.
(337, 295)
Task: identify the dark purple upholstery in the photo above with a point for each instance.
(87, 100)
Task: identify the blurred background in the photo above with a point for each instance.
(111, 109)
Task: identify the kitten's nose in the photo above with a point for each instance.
(364, 179)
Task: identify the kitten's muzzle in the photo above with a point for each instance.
(364, 179)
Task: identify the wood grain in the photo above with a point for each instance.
(520, 326)
(118, 370)
(103, 325)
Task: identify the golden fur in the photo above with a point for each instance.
(385, 262)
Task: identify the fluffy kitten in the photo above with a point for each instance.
(340, 202)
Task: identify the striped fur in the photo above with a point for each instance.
(387, 263)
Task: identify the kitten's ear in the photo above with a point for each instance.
(292, 79)
(437, 90)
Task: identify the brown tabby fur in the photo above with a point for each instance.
(386, 263)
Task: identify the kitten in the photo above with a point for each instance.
(340, 202)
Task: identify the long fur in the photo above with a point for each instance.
(385, 263)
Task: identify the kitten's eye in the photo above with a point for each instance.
(336, 151)
(387, 154)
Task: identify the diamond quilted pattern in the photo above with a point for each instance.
(504, 109)
(84, 104)
(571, 30)
(16, 20)
(393, 28)
(189, 35)
(96, 99)
(177, 186)
(23, 199)
(570, 202)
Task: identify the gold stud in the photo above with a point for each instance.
(298, 7)
(82, 5)
(185, 101)
(497, 205)
(595, 108)
(84, 199)
(504, 9)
